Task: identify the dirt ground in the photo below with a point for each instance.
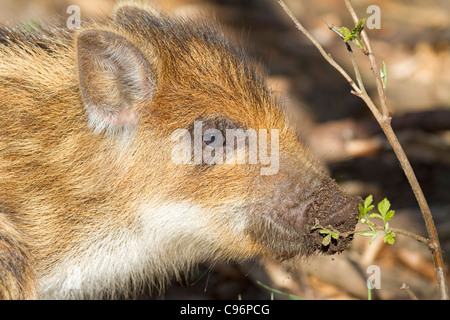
(414, 42)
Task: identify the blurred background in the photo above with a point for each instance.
(414, 42)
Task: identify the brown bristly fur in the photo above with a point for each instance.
(90, 202)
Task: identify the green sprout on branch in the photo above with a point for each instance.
(365, 216)
(383, 75)
(346, 35)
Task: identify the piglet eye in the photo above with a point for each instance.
(209, 138)
(213, 138)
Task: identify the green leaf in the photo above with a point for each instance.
(384, 206)
(335, 235)
(383, 75)
(368, 201)
(324, 231)
(389, 238)
(349, 37)
(365, 233)
(362, 211)
(355, 33)
(359, 26)
(389, 215)
(358, 43)
(326, 240)
(345, 33)
(375, 215)
(373, 238)
(366, 209)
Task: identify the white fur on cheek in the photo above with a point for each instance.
(166, 238)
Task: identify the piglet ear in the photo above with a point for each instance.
(114, 79)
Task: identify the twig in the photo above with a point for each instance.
(396, 230)
(434, 244)
(411, 294)
(352, 56)
(373, 63)
(326, 55)
(384, 119)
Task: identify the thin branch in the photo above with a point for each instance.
(357, 73)
(326, 55)
(352, 56)
(434, 244)
(396, 230)
(373, 62)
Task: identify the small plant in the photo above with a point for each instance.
(365, 216)
(353, 35)
(328, 232)
(384, 214)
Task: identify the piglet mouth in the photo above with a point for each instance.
(296, 230)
